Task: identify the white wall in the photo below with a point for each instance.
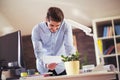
(5, 26)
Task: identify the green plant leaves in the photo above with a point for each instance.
(72, 57)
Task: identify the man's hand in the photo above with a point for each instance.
(51, 66)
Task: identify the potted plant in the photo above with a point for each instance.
(72, 64)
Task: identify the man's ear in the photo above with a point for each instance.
(47, 20)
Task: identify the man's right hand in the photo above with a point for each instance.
(51, 66)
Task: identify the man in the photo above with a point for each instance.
(52, 38)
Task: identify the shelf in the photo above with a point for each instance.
(112, 55)
(107, 37)
(102, 38)
(117, 36)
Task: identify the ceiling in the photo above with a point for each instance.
(24, 14)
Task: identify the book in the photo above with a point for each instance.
(109, 50)
(117, 29)
(105, 52)
(118, 48)
(105, 31)
(100, 45)
(110, 31)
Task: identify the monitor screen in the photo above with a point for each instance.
(11, 50)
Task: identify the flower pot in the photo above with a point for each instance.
(72, 67)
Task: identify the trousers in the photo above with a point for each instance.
(55, 74)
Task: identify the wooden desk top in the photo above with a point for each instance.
(82, 76)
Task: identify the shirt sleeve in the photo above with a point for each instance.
(68, 38)
(39, 51)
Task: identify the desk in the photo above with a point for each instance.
(82, 76)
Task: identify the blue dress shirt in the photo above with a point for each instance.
(52, 44)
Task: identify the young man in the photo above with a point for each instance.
(52, 38)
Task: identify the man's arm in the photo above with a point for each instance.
(39, 51)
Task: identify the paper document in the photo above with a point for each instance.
(52, 59)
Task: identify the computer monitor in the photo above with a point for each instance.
(11, 52)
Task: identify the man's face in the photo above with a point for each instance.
(53, 26)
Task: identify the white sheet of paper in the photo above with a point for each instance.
(52, 59)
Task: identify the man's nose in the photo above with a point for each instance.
(55, 28)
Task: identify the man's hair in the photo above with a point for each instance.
(55, 14)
